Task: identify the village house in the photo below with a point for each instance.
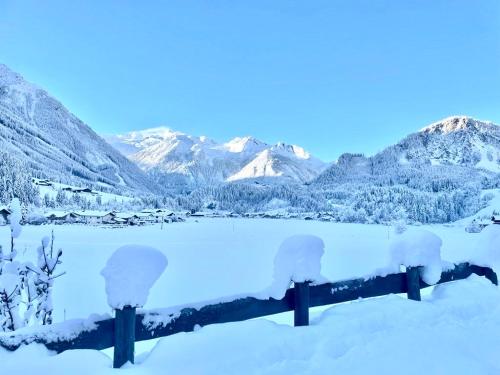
(95, 217)
(77, 190)
(201, 214)
(126, 218)
(157, 215)
(146, 217)
(61, 217)
(113, 217)
(119, 221)
(42, 182)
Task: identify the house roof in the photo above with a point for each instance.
(144, 214)
(92, 213)
(58, 214)
(125, 215)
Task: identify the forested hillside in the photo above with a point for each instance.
(37, 129)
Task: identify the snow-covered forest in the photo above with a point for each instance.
(346, 202)
(16, 181)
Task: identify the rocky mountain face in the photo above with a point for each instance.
(459, 140)
(37, 128)
(458, 147)
(177, 158)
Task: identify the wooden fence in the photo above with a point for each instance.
(130, 326)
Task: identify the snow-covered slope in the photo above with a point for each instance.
(285, 161)
(459, 145)
(57, 145)
(458, 140)
(176, 156)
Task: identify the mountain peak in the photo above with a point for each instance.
(297, 151)
(244, 144)
(191, 159)
(455, 124)
(161, 132)
(20, 89)
(37, 127)
(7, 74)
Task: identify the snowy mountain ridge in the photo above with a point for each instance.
(201, 160)
(38, 129)
(453, 124)
(460, 143)
(434, 175)
(458, 140)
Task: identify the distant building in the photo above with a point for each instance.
(152, 216)
(95, 217)
(126, 218)
(41, 182)
(61, 217)
(77, 190)
(112, 217)
(200, 214)
(147, 217)
(82, 190)
(120, 221)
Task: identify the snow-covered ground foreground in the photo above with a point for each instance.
(213, 258)
(455, 330)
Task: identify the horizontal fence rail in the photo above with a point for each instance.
(150, 325)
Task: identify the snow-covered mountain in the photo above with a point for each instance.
(281, 160)
(458, 140)
(460, 144)
(37, 128)
(175, 157)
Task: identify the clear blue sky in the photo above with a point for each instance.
(332, 76)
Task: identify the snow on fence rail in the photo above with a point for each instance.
(130, 325)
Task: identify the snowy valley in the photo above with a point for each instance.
(89, 198)
(250, 187)
(219, 199)
(439, 174)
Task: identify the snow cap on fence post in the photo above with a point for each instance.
(297, 260)
(418, 248)
(488, 248)
(130, 273)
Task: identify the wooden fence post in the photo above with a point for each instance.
(301, 306)
(124, 336)
(413, 283)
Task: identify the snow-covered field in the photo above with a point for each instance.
(455, 330)
(213, 258)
